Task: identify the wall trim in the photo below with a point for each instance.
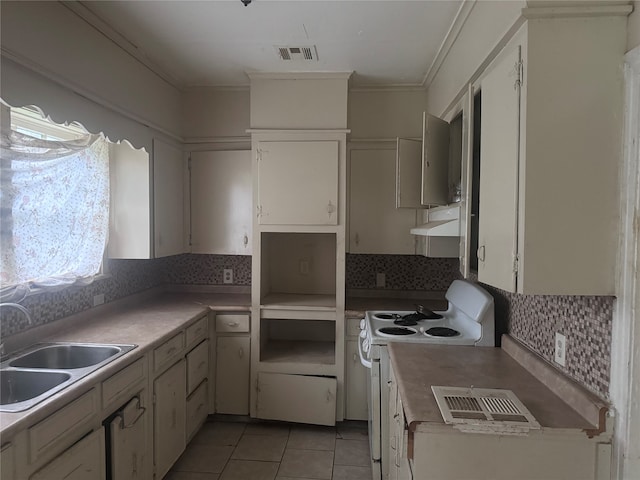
(576, 12)
(625, 344)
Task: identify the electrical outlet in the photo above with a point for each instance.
(381, 280)
(561, 349)
(227, 275)
(98, 299)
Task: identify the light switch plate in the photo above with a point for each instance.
(98, 299)
(381, 280)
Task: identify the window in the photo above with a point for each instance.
(54, 202)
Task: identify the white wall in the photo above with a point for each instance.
(386, 113)
(211, 112)
(51, 39)
(485, 26)
(633, 27)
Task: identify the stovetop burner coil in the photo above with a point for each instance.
(442, 332)
(396, 331)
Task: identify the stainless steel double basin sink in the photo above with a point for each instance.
(35, 374)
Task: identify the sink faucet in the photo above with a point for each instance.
(23, 310)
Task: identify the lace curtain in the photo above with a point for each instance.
(54, 202)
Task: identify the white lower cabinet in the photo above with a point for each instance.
(7, 462)
(82, 461)
(232, 375)
(355, 375)
(297, 398)
(169, 437)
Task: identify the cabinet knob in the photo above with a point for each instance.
(241, 352)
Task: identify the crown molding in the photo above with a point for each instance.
(83, 11)
(298, 75)
(449, 39)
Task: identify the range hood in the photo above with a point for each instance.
(441, 222)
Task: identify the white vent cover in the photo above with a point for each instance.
(484, 410)
(292, 53)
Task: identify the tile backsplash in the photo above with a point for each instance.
(533, 319)
(402, 272)
(586, 322)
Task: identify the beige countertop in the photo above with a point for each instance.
(145, 322)
(417, 367)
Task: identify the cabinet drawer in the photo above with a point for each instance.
(84, 461)
(353, 326)
(198, 331)
(232, 323)
(60, 429)
(164, 355)
(197, 409)
(297, 398)
(119, 385)
(197, 366)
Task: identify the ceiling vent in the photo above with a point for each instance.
(304, 53)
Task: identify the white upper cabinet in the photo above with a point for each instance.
(551, 114)
(376, 226)
(435, 161)
(221, 202)
(422, 168)
(298, 182)
(147, 206)
(499, 175)
(169, 173)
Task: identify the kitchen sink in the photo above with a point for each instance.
(21, 385)
(35, 374)
(66, 356)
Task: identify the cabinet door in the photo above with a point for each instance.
(169, 417)
(7, 462)
(298, 183)
(355, 384)
(232, 375)
(376, 226)
(435, 161)
(221, 202)
(85, 460)
(408, 173)
(297, 398)
(129, 202)
(129, 444)
(499, 155)
(169, 168)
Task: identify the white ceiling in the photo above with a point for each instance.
(213, 43)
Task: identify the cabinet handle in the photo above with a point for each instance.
(357, 239)
(355, 358)
(481, 253)
(241, 352)
(232, 324)
(199, 407)
(328, 396)
(245, 240)
(134, 461)
(202, 364)
(330, 208)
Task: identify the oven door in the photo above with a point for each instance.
(374, 406)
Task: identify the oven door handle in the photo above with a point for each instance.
(363, 361)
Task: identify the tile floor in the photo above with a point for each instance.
(227, 450)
